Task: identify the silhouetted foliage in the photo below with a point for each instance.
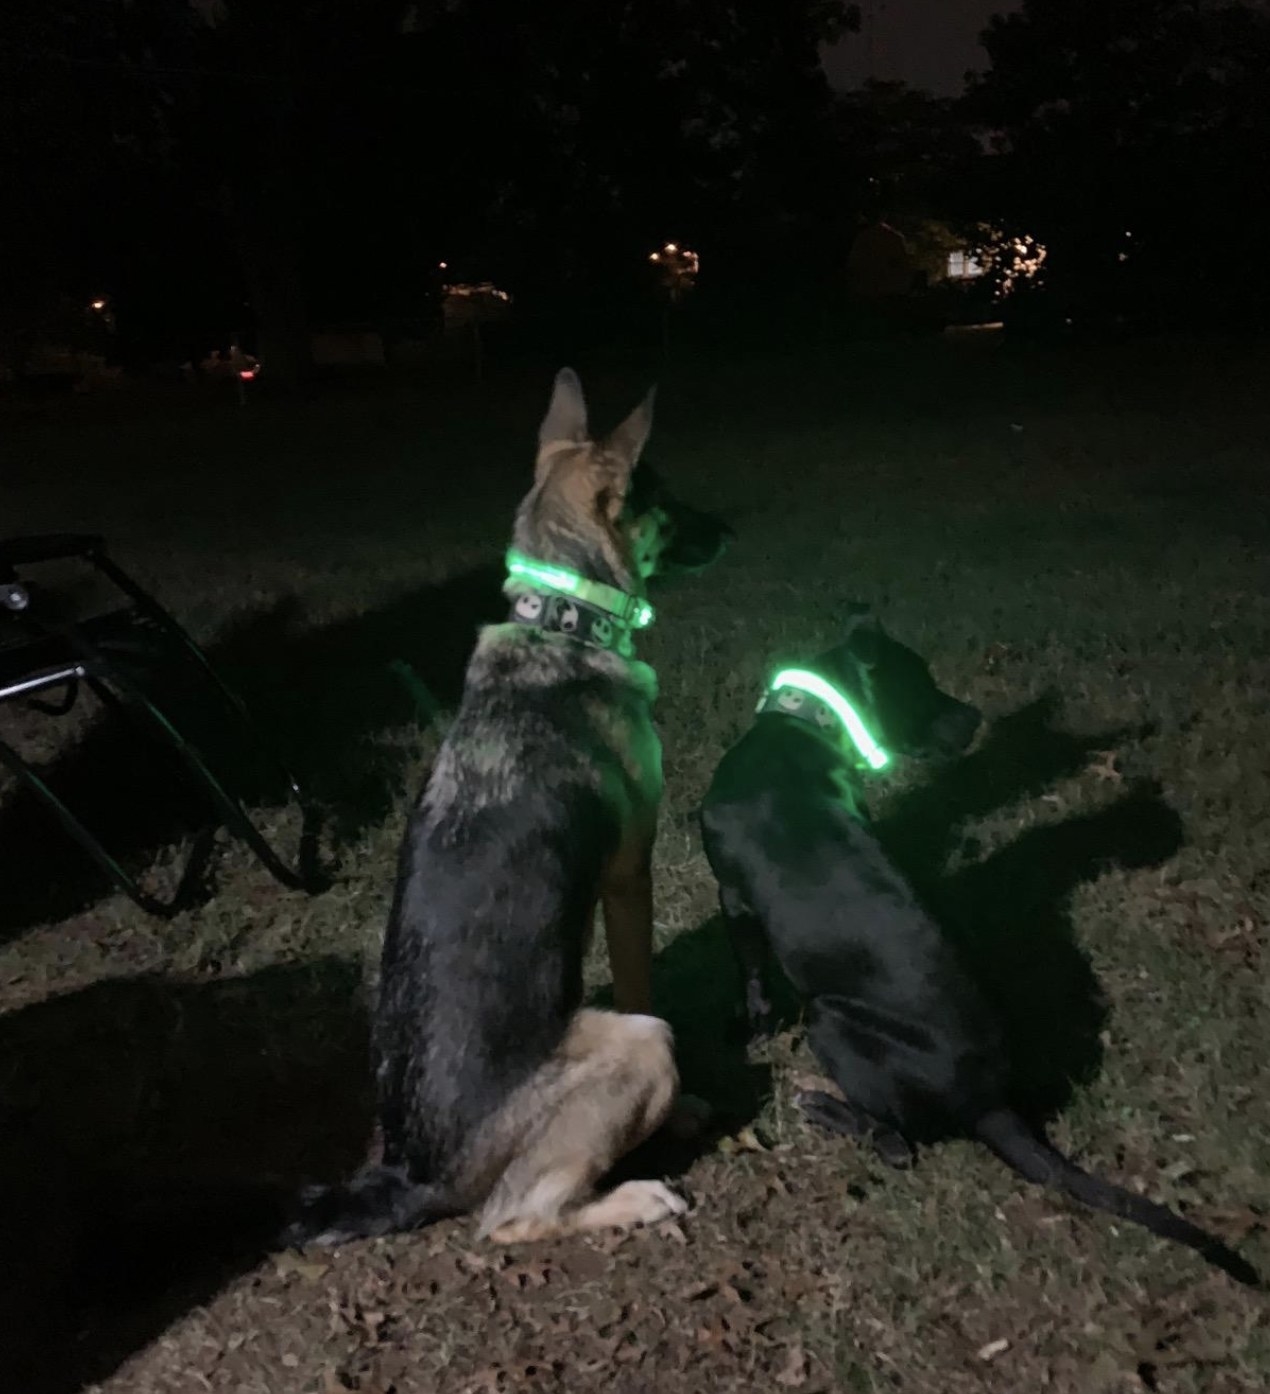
(901, 150)
(319, 160)
(1133, 141)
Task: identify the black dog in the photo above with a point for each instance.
(894, 1018)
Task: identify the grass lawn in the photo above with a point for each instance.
(1078, 542)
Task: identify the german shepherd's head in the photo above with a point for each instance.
(598, 510)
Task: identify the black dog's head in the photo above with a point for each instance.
(671, 536)
(895, 694)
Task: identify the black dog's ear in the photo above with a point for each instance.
(645, 489)
(693, 538)
(864, 632)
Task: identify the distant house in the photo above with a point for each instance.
(963, 266)
(880, 265)
(886, 261)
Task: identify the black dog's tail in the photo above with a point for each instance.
(1037, 1160)
(378, 1200)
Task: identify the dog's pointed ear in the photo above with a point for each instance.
(565, 421)
(862, 631)
(625, 445)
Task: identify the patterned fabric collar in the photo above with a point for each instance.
(806, 707)
(789, 701)
(565, 614)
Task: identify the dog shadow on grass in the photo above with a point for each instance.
(343, 705)
(149, 1133)
(325, 696)
(1008, 911)
(695, 988)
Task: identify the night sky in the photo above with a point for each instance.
(926, 43)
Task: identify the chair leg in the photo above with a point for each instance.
(111, 683)
(177, 632)
(25, 775)
(112, 686)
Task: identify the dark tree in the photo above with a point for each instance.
(582, 135)
(1133, 140)
(308, 160)
(902, 152)
(180, 156)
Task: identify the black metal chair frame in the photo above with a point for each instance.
(45, 657)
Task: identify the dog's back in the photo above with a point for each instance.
(499, 868)
(497, 1091)
(783, 832)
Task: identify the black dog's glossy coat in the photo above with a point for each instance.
(893, 1016)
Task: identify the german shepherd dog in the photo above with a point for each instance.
(893, 1018)
(497, 1092)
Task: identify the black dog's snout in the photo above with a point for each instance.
(697, 539)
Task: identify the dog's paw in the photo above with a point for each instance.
(829, 1112)
(835, 1115)
(893, 1149)
(639, 1203)
(689, 1117)
(662, 1202)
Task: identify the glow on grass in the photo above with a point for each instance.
(874, 756)
(634, 611)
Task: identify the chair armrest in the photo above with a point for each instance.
(49, 546)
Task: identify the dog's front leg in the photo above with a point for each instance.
(751, 949)
(627, 895)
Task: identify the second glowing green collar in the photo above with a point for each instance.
(631, 610)
(783, 695)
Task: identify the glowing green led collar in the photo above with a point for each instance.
(815, 686)
(630, 610)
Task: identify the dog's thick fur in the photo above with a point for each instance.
(894, 1018)
(497, 1093)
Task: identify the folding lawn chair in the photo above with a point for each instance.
(116, 654)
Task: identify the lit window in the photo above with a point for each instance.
(963, 266)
